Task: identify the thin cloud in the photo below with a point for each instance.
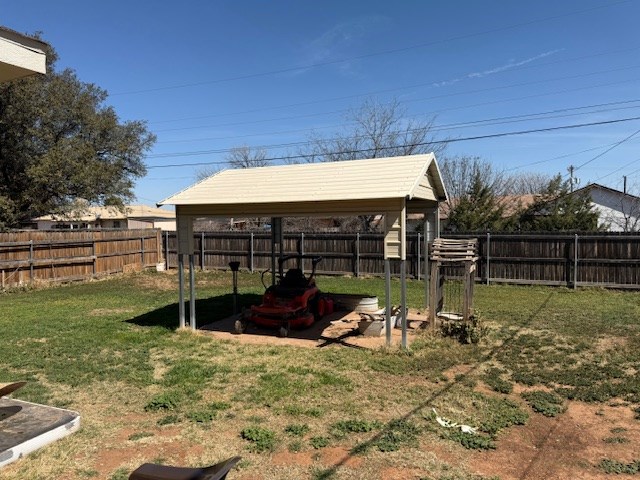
(341, 38)
(511, 64)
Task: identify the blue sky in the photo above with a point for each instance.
(212, 75)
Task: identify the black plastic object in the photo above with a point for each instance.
(153, 471)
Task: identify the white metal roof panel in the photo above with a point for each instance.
(380, 178)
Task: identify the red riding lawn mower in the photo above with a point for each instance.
(294, 302)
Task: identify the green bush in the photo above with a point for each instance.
(297, 430)
(319, 442)
(262, 439)
(163, 401)
(470, 331)
(547, 403)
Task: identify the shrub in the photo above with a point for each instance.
(547, 403)
(163, 401)
(470, 331)
(262, 439)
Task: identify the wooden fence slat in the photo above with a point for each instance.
(75, 255)
(605, 259)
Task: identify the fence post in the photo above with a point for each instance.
(30, 261)
(251, 253)
(142, 252)
(93, 255)
(418, 259)
(488, 274)
(575, 262)
(202, 251)
(166, 249)
(357, 255)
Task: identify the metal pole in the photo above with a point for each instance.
(302, 251)
(357, 254)
(202, 251)
(387, 284)
(251, 253)
(575, 263)
(273, 251)
(419, 254)
(488, 257)
(427, 235)
(192, 291)
(181, 290)
(403, 300)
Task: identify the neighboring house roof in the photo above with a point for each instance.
(597, 186)
(511, 203)
(284, 188)
(20, 55)
(92, 214)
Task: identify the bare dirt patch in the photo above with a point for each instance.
(338, 329)
(568, 446)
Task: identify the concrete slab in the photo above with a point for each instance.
(338, 329)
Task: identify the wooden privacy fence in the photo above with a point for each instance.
(45, 256)
(602, 259)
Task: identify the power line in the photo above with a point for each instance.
(373, 54)
(559, 157)
(608, 149)
(474, 123)
(486, 122)
(479, 137)
(377, 92)
(618, 169)
(433, 97)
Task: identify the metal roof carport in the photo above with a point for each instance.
(392, 186)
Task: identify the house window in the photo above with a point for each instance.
(116, 224)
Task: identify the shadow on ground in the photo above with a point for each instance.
(208, 310)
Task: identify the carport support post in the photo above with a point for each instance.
(403, 300)
(192, 292)
(387, 284)
(181, 289)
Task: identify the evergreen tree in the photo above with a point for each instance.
(478, 210)
(559, 210)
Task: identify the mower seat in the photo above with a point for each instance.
(294, 278)
(152, 471)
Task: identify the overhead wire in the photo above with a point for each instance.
(378, 92)
(374, 54)
(432, 97)
(617, 144)
(434, 142)
(485, 122)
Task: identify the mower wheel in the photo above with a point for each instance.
(283, 332)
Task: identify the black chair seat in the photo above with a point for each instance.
(152, 471)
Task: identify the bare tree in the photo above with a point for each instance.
(625, 214)
(377, 130)
(459, 174)
(528, 183)
(206, 172)
(247, 157)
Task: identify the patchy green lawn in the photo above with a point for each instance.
(146, 392)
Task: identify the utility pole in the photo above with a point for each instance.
(624, 183)
(572, 180)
